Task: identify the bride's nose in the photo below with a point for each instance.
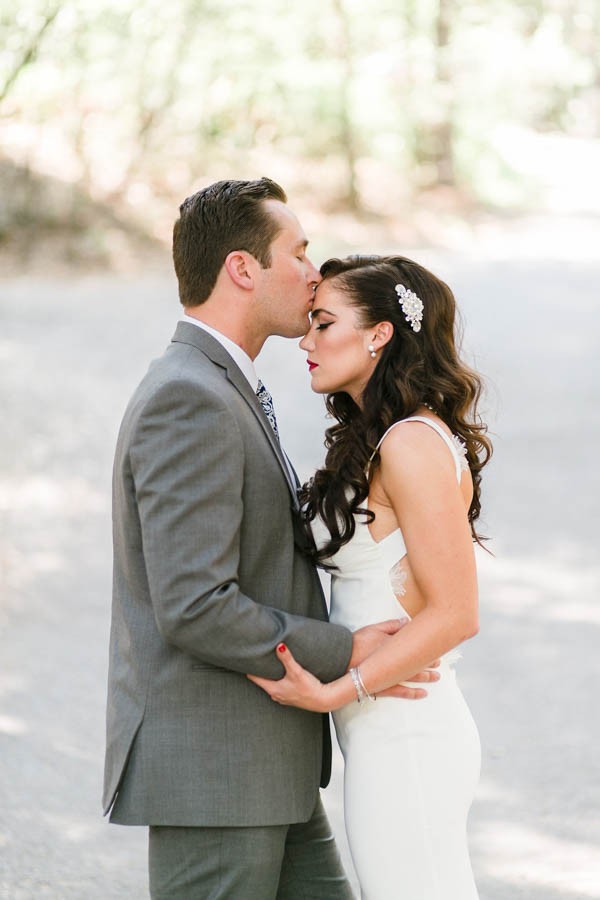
(306, 342)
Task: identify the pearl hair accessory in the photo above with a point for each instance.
(372, 351)
(412, 306)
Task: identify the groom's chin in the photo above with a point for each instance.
(294, 330)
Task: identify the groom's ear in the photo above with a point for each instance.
(241, 266)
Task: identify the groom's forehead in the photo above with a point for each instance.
(287, 221)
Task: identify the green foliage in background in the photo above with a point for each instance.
(373, 102)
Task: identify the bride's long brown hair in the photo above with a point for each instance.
(414, 368)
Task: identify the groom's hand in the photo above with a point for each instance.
(408, 691)
(366, 640)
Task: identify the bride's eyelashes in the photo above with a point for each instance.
(323, 326)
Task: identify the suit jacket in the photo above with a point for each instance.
(207, 580)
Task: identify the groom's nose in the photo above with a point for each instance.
(313, 276)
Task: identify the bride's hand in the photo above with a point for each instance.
(297, 688)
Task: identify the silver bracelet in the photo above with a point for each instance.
(360, 694)
(359, 685)
(362, 684)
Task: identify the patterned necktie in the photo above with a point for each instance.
(266, 401)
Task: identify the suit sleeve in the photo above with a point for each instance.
(187, 466)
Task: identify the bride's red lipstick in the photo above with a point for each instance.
(311, 365)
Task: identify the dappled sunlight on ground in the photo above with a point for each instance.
(530, 861)
(521, 585)
(12, 725)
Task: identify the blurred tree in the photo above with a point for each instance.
(25, 50)
(345, 112)
(136, 101)
(434, 139)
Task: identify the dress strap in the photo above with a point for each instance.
(454, 443)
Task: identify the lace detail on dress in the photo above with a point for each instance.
(398, 577)
(461, 449)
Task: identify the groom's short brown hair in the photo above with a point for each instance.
(225, 216)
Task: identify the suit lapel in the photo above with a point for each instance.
(190, 334)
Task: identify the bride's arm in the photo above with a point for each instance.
(417, 474)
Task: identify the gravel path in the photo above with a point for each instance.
(71, 353)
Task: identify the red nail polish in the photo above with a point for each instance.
(281, 648)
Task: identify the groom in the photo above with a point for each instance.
(209, 579)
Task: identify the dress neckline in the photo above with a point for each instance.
(383, 539)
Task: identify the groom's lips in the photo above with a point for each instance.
(311, 365)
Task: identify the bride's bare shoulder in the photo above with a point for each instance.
(409, 436)
(414, 457)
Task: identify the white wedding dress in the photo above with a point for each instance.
(411, 766)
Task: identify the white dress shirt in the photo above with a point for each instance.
(239, 356)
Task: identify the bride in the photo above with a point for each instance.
(392, 515)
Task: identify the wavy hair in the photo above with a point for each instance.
(414, 368)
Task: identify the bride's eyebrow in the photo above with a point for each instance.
(317, 312)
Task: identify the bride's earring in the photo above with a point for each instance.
(372, 351)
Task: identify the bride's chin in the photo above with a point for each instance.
(317, 389)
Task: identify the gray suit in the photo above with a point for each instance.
(208, 579)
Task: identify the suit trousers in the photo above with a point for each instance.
(275, 862)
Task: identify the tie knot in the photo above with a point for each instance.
(261, 390)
